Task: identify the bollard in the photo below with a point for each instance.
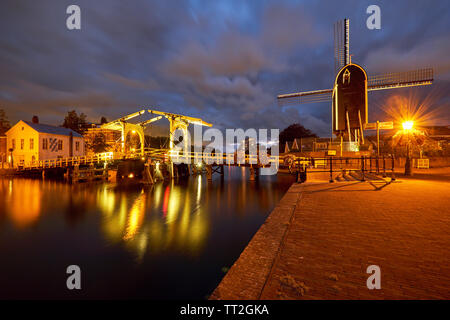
(252, 173)
(384, 167)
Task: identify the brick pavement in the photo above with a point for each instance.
(321, 237)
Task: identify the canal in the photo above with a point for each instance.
(173, 240)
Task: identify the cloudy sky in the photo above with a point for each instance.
(223, 60)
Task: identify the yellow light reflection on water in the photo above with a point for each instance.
(180, 226)
(24, 202)
(135, 216)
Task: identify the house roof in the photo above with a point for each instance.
(46, 128)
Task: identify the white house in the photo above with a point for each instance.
(28, 142)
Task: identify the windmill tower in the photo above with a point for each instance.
(350, 88)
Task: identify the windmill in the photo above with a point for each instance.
(349, 92)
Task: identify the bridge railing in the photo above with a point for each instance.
(222, 158)
(70, 161)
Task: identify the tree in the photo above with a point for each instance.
(295, 131)
(4, 122)
(103, 120)
(75, 122)
(98, 144)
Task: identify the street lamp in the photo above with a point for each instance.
(407, 127)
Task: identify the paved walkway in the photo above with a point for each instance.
(319, 240)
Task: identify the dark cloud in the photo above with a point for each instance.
(224, 61)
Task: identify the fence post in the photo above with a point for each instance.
(363, 162)
(378, 165)
(393, 174)
(384, 167)
(331, 169)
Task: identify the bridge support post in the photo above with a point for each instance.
(67, 174)
(253, 173)
(148, 177)
(90, 172)
(76, 173)
(173, 172)
(209, 172)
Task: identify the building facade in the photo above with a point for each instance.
(29, 142)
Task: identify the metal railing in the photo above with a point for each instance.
(70, 161)
(363, 165)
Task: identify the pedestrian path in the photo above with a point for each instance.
(320, 239)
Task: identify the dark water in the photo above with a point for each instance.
(169, 241)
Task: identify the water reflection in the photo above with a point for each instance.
(146, 224)
(172, 231)
(22, 201)
(162, 217)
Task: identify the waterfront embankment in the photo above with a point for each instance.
(320, 239)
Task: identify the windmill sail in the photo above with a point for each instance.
(342, 58)
(306, 97)
(400, 79)
(391, 80)
(341, 44)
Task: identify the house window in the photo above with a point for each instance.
(44, 144)
(13, 144)
(77, 145)
(22, 143)
(31, 144)
(59, 144)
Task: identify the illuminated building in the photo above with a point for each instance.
(28, 142)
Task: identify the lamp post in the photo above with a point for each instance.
(407, 127)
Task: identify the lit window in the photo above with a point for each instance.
(31, 144)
